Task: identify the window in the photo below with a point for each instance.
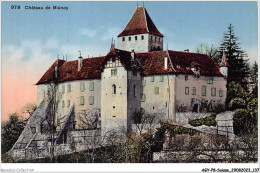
(135, 37)
(151, 38)
(210, 80)
(156, 90)
(186, 77)
(220, 93)
(159, 40)
(213, 92)
(91, 86)
(168, 90)
(161, 78)
(114, 89)
(82, 87)
(193, 91)
(134, 72)
(152, 79)
(143, 97)
(203, 90)
(143, 82)
(134, 89)
(155, 39)
(68, 88)
(82, 100)
(142, 37)
(123, 39)
(129, 38)
(187, 90)
(62, 104)
(113, 72)
(68, 103)
(63, 89)
(91, 100)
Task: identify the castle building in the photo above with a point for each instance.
(137, 75)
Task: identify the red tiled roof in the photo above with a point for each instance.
(152, 63)
(179, 63)
(68, 71)
(140, 23)
(224, 60)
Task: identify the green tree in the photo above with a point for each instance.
(238, 70)
(236, 91)
(11, 130)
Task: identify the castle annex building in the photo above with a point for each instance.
(137, 75)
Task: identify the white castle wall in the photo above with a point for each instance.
(139, 45)
(163, 102)
(185, 100)
(113, 106)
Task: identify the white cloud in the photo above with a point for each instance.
(110, 32)
(88, 32)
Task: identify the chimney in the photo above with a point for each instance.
(133, 55)
(80, 62)
(165, 63)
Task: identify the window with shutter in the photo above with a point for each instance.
(68, 88)
(168, 90)
(203, 90)
(193, 91)
(68, 103)
(91, 86)
(220, 93)
(187, 90)
(213, 91)
(161, 78)
(91, 100)
(152, 79)
(156, 90)
(143, 97)
(82, 100)
(82, 87)
(63, 89)
(143, 82)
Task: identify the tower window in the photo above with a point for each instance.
(151, 38)
(142, 37)
(135, 37)
(123, 39)
(129, 38)
(134, 89)
(113, 72)
(155, 39)
(114, 89)
(159, 40)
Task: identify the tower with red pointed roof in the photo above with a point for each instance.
(223, 68)
(140, 34)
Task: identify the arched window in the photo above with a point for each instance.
(114, 89)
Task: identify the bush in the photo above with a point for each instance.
(252, 108)
(237, 103)
(208, 121)
(240, 122)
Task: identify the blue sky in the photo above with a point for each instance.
(92, 24)
(32, 39)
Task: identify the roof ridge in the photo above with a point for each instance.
(145, 20)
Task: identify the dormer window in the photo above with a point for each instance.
(123, 39)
